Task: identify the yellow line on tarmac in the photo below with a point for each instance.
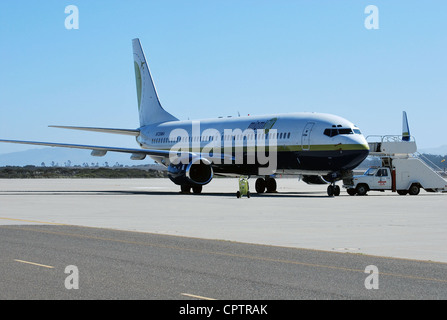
(198, 297)
(229, 254)
(35, 264)
(33, 221)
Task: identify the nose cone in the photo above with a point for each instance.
(358, 141)
(356, 149)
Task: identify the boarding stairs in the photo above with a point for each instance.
(388, 148)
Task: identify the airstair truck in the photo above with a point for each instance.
(401, 171)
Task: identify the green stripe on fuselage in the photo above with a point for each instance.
(285, 148)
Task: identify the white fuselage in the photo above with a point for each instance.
(305, 142)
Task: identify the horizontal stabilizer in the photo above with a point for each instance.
(129, 132)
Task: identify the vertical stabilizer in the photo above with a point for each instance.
(405, 128)
(149, 106)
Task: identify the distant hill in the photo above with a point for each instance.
(442, 150)
(30, 172)
(64, 156)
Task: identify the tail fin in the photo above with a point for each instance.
(405, 128)
(149, 106)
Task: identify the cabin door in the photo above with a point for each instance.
(305, 137)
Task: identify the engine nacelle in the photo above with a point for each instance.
(314, 180)
(196, 172)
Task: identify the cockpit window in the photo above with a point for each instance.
(332, 132)
(345, 131)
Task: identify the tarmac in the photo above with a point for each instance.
(298, 215)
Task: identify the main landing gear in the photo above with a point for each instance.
(187, 189)
(265, 185)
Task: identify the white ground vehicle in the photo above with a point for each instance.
(400, 172)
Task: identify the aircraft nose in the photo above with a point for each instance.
(355, 142)
(355, 150)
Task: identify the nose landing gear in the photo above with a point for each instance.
(333, 190)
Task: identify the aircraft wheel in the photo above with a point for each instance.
(402, 192)
(185, 188)
(238, 194)
(248, 194)
(197, 189)
(351, 191)
(271, 184)
(330, 191)
(336, 191)
(260, 185)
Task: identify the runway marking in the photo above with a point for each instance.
(195, 296)
(229, 254)
(35, 264)
(33, 221)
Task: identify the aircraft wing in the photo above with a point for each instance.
(162, 153)
(137, 154)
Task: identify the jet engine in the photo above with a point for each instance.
(197, 172)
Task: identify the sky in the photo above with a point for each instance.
(218, 58)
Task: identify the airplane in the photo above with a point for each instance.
(319, 148)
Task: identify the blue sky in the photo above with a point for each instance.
(217, 58)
